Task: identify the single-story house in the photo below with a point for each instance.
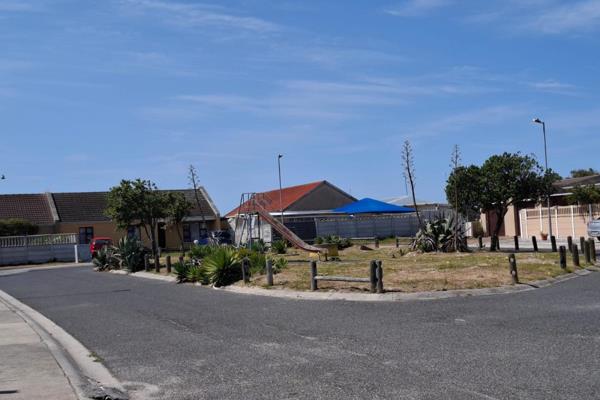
(300, 205)
(82, 213)
(531, 218)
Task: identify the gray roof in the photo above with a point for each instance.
(81, 206)
(584, 180)
(31, 207)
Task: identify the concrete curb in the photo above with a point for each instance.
(144, 274)
(89, 379)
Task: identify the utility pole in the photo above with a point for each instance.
(279, 157)
(539, 121)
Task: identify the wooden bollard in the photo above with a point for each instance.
(581, 244)
(269, 272)
(373, 276)
(575, 255)
(480, 240)
(376, 242)
(313, 276)
(512, 260)
(492, 243)
(587, 251)
(553, 243)
(562, 255)
(168, 261)
(570, 243)
(146, 262)
(180, 260)
(534, 242)
(379, 275)
(245, 270)
(593, 249)
(497, 243)
(516, 239)
(156, 263)
(397, 242)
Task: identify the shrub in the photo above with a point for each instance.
(259, 246)
(197, 273)
(438, 235)
(319, 240)
(279, 247)
(342, 243)
(130, 253)
(181, 271)
(105, 259)
(199, 251)
(279, 264)
(223, 266)
(17, 227)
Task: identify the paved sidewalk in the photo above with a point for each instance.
(29, 371)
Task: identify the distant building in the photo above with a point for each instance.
(424, 205)
(82, 213)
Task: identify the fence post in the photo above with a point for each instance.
(553, 242)
(512, 260)
(397, 242)
(593, 249)
(76, 254)
(562, 254)
(534, 242)
(156, 263)
(376, 242)
(480, 242)
(570, 243)
(373, 276)
(168, 261)
(146, 262)
(587, 251)
(313, 276)
(516, 239)
(180, 260)
(269, 272)
(379, 275)
(582, 244)
(575, 256)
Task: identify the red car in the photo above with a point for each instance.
(99, 242)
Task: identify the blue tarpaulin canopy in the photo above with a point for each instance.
(372, 206)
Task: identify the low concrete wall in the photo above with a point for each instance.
(44, 254)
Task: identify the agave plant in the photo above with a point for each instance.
(197, 273)
(105, 259)
(439, 235)
(181, 271)
(199, 251)
(130, 253)
(279, 247)
(259, 246)
(223, 267)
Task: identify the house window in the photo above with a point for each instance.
(86, 233)
(187, 233)
(133, 232)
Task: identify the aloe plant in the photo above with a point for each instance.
(223, 266)
(438, 235)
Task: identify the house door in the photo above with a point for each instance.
(162, 235)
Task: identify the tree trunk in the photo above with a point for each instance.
(499, 220)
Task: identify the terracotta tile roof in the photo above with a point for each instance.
(289, 196)
(32, 207)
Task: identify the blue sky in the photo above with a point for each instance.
(95, 91)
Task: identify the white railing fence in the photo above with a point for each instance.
(566, 220)
(38, 240)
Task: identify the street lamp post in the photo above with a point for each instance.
(539, 121)
(280, 190)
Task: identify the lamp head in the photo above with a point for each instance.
(538, 121)
(280, 156)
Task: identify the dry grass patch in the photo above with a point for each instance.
(415, 272)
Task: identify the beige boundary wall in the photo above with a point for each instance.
(566, 220)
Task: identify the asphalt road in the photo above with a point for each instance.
(167, 341)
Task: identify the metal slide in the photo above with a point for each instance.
(287, 234)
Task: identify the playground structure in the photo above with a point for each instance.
(254, 205)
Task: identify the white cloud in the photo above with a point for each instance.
(552, 86)
(575, 16)
(17, 6)
(416, 8)
(199, 15)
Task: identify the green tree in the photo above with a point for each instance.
(17, 227)
(177, 209)
(580, 173)
(511, 178)
(584, 195)
(137, 202)
(463, 191)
